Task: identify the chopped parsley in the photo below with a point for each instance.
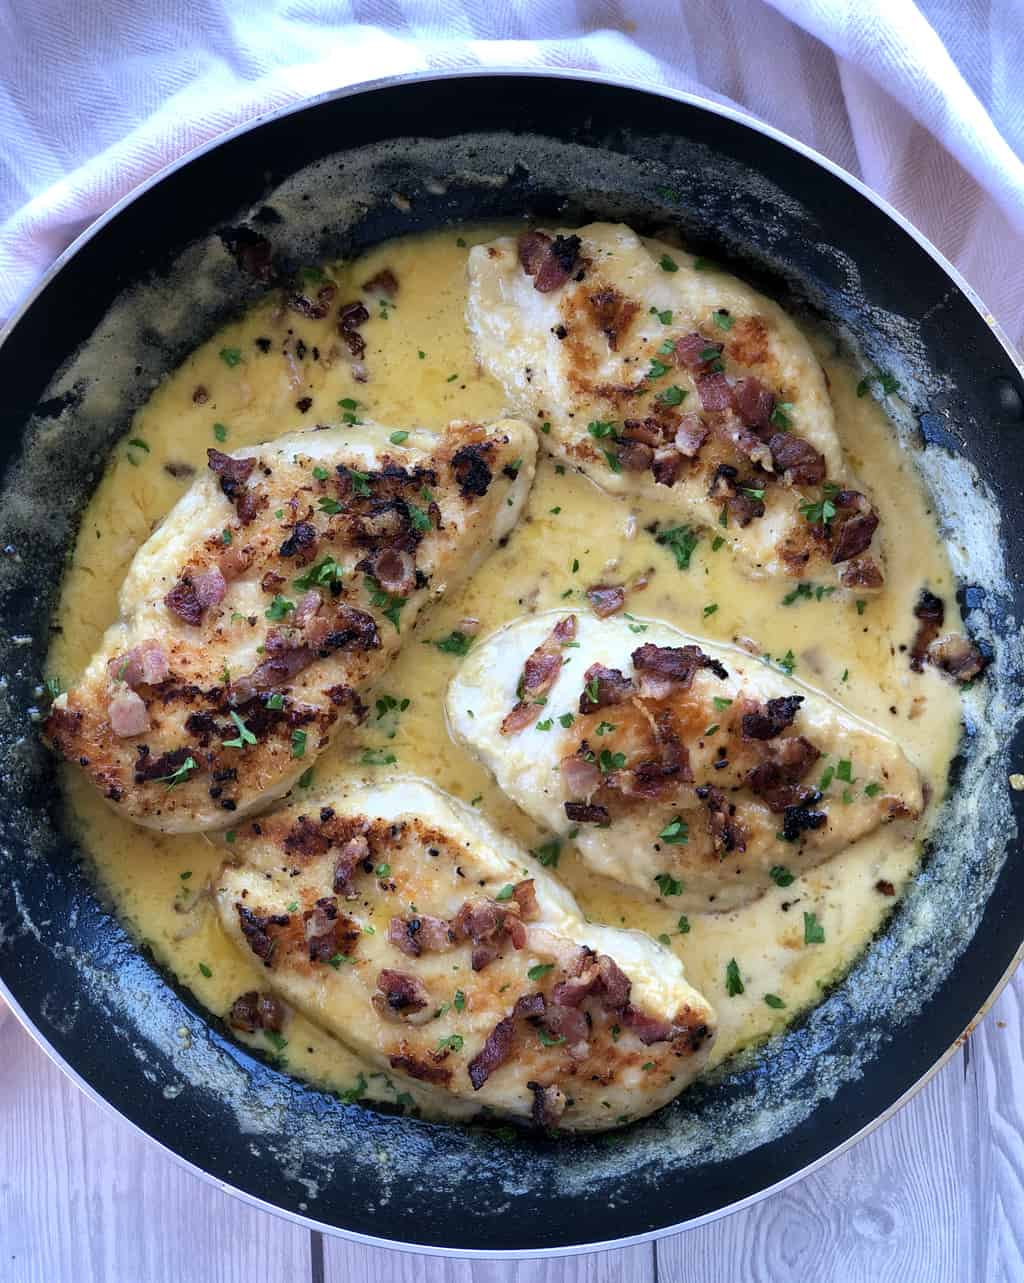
(231, 356)
(717, 542)
(675, 833)
(547, 853)
(306, 778)
(827, 776)
(722, 319)
(703, 264)
(814, 932)
(886, 381)
(824, 511)
(321, 573)
(377, 757)
(398, 438)
(567, 719)
(548, 1040)
(540, 970)
(657, 369)
(245, 736)
(354, 1093)
(455, 643)
(781, 876)
(681, 540)
(664, 317)
(609, 761)
(180, 775)
(673, 395)
(420, 519)
(138, 441)
(453, 1042)
(816, 591)
(773, 1000)
(872, 790)
(604, 727)
(320, 474)
(668, 264)
(683, 925)
(459, 1001)
(220, 431)
(710, 609)
(860, 604)
(720, 702)
(205, 970)
(546, 725)
(753, 492)
(360, 482)
(506, 892)
(781, 415)
(733, 982)
(385, 602)
(331, 506)
(612, 459)
(383, 870)
(298, 743)
(844, 770)
(787, 663)
(279, 607)
(226, 536)
(668, 885)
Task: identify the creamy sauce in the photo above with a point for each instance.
(423, 372)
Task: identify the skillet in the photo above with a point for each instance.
(330, 178)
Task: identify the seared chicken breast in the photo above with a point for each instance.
(397, 919)
(279, 586)
(659, 376)
(693, 772)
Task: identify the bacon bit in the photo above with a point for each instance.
(884, 887)
(350, 317)
(308, 607)
(144, 665)
(301, 543)
(606, 599)
(659, 666)
(549, 262)
(548, 1105)
(612, 313)
(689, 348)
(647, 431)
(493, 1054)
(529, 1006)
(399, 994)
(353, 853)
(254, 928)
(634, 456)
(233, 473)
(777, 714)
(423, 1070)
(754, 403)
(157, 768)
(394, 570)
(571, 1024)
(382, 282)
(776, 779)
(234, 561)
(472, 473)
(715, 391)
(612, 688)
(723, 482)
(356, 345)
(727, 833)
(957, 656)
(316, 309)
(251, 1011)
(420, 934)
(539, 674)
(857, 530)
(200, 396)
(252, 252)
(666, 467)
(183, 601)
(930, 612)
(797, 460)
(861, 573)
(580, 778)
(750, 444)
(743, 509)
(691, 435)
(525, 895)
(328, 932)
(586, 813)
(128, 715)
(649, 1029)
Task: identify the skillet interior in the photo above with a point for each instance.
(581, 148)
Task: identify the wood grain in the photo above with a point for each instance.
(936, 1195)
(85, 1199)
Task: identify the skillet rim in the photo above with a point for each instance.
(738, 117)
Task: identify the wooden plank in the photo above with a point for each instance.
(352, 1263)
(85, 1199)
(936, 1193)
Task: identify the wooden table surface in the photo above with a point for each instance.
(934, 1195)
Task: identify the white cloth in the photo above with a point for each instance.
(924, 101)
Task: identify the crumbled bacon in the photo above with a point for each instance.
(549, 262)
(571, 1024)
(776, 715)
(884, 887)
(315, 308)
(525, 895)
(420, 934)
(233, 473)
(744, 508)
(715, 391)
(649, 1029)
(659, 668)
(472, 471)
(144, 665)
(611, 688)
(776, 779)
(328, 933)
(666, 467)
(586, 813)
(690, 350)
(930, 612)
(727, 833)
(548, 1104)
(421, 1069)
(351, 316)
(957, 656)
(382, 282)
(796, 460)
(634, 456)
(183, 601)
(580, 778)
(493, 1054)
(856, 532)
(128, 715)
(353, 853)
(301, 543)
(691, 434)
(309, 606)
(539, 674)
(606, 599)
(234, 561)
(723, 482)
(861, 572)
(254, 926)
(754, 403)
(399, 994)
(251, 1011)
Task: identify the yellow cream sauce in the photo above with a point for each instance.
(422, 371)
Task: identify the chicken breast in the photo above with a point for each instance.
(695, 773)
(660, 376)
(279, 586)
(395, 917)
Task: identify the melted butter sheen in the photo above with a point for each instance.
(422, 371)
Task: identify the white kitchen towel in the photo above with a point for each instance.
(924, 101)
